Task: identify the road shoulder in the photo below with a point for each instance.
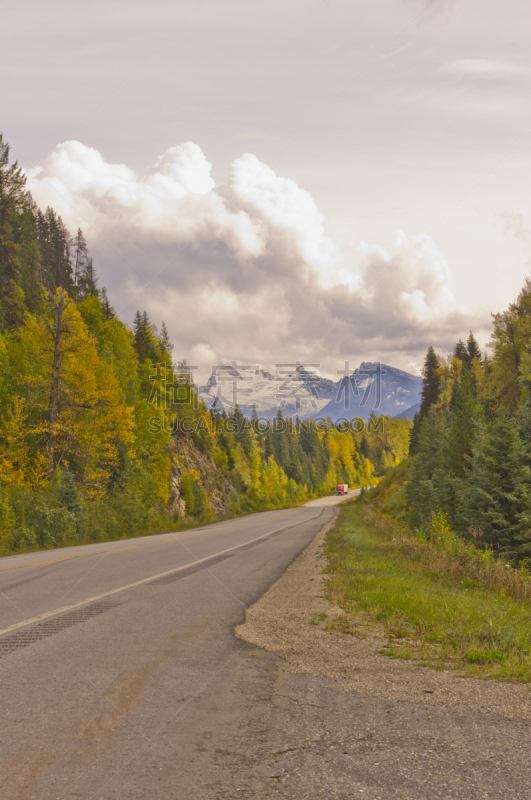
(280, 622)
(346, 721)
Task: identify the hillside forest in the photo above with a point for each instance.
(471, 440)
(90, 443)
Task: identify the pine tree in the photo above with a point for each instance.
(165, 339)
(106, 308)
(25, 230)
(425, 490)
(55, 246)
(431, 382)
(473, 350)
(89, 279)
(242, 430)
(460, 430)
(460, 352)
(143, 345)
(85, 279)
(430, 394)
(464, 414)
(280, 440)
(497, 501)
(81, 259)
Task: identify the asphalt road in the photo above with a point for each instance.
(112, 655)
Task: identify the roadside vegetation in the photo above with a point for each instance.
(439, 553)
(440, 600)
(471, 440)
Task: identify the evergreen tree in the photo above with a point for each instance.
(280, 441)
(472, 348)
(497, 503)
(80, 263)
(165, 339)
(460, 430)
(464, 414)
(461, 352)
(85, 279)
(425, 490)
(25, 230)
(242, 430)
(88, 280)
(430, 394)
(144, 333)
(106, 308)
(55, 246)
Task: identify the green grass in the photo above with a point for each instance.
(430, 616)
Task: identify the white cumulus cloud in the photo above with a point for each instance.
(246, 268)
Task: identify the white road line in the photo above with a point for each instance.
(70, 607)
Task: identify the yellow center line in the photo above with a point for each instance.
(130, 546)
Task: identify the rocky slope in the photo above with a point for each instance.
(220, 492)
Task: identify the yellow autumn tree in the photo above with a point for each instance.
(83, 416)
(14, 451)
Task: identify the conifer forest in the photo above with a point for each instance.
(471, 440)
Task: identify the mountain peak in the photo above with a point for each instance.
(371, 387)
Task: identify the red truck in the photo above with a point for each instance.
(342, 488)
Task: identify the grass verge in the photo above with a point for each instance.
(440, 617)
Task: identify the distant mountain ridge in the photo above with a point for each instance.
(380, 388)
(372, 387)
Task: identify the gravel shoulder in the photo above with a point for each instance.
(341, 720)
(280, 622)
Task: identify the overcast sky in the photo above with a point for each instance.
(320, 180)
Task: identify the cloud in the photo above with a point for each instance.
(246, 269)
(484, 68)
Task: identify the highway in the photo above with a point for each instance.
(116, 659)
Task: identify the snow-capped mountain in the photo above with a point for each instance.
(294, 388)
(297, 389)
(375, 387)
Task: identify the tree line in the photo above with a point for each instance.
(80, 459)
(471, 440)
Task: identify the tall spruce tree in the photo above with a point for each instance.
(55, 245)
(430, 394)
(472, 348)
(88, 281)
(106, 309)
(25, 230)
(460, 352)
(165, 339)
(497, 501)
(460, 431)
(426, 489)
(80, 262)
(85, 279)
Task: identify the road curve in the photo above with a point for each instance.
(105, 649)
